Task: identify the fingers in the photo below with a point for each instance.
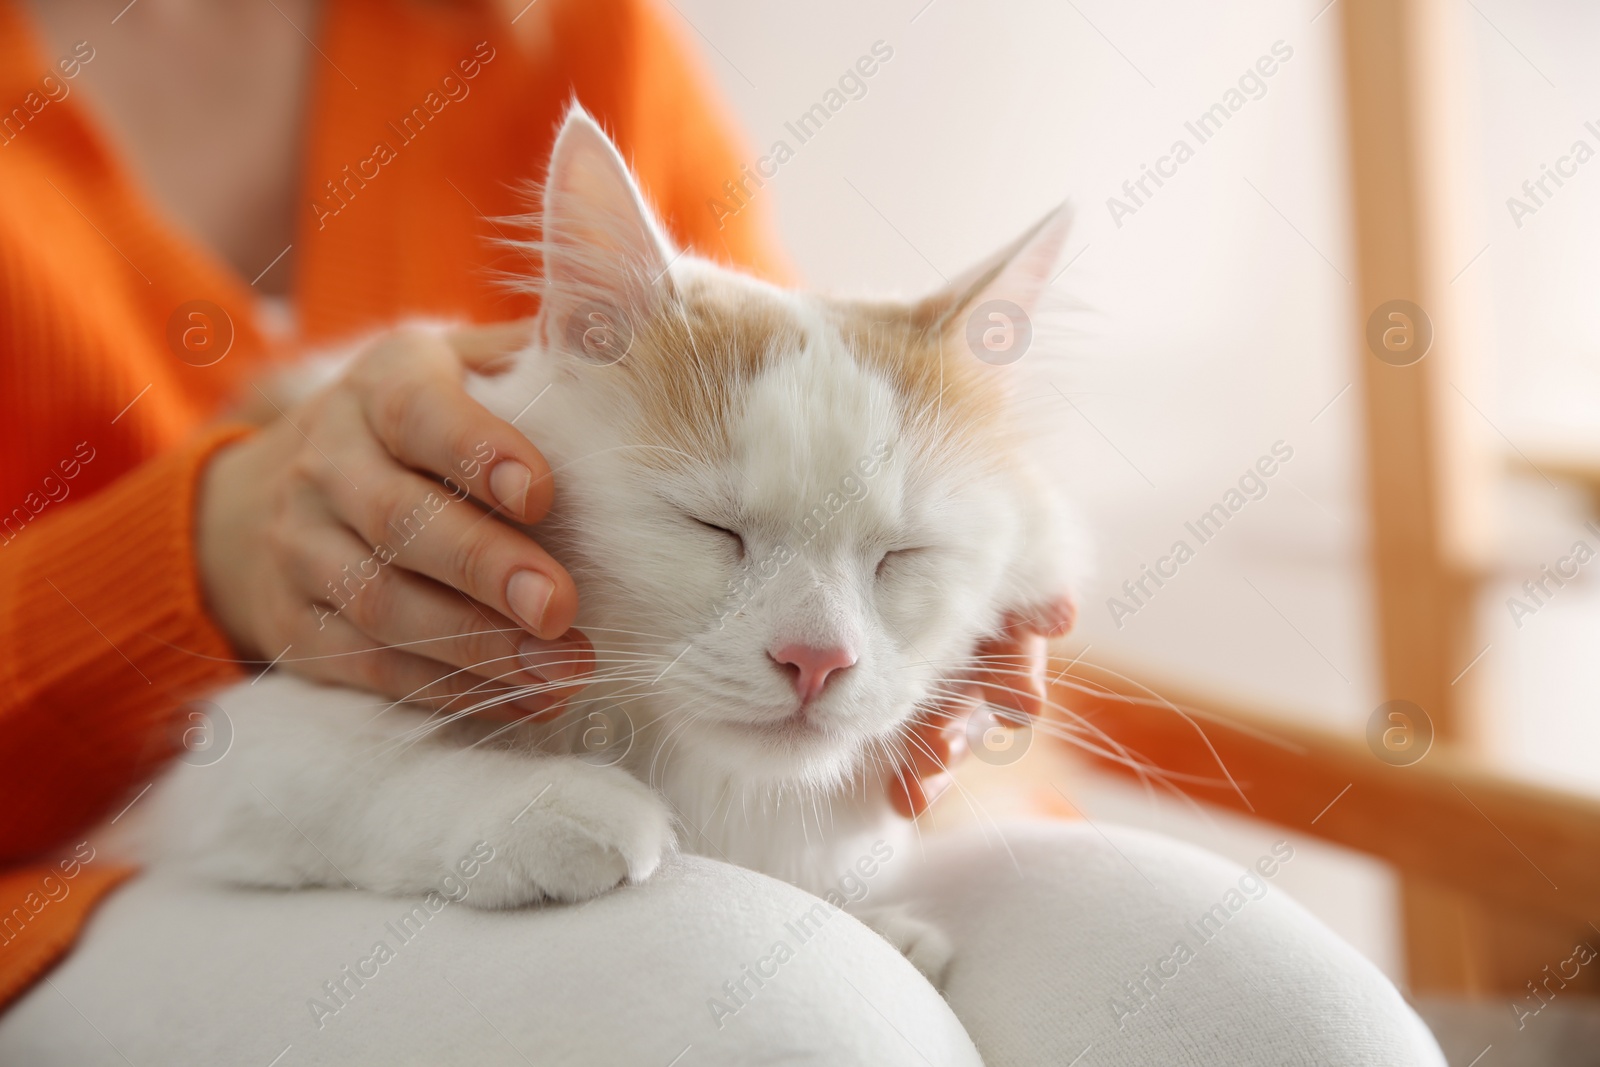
(933, 741)
(421, 526)
(1011, 665)
(387, 578)
(911, 796)
(1011, 673)
(396, 607)
(350, 657)
(936, 740)
(412, 398)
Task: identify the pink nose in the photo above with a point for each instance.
(812, 666)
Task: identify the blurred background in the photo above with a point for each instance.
(1223, 311)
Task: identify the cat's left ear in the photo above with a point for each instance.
(1019, 273)
(606, 257)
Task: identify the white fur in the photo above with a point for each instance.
(326, 786)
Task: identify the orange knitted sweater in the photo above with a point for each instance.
(104, 421)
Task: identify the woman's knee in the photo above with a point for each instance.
(737, 967)
(1148, 949)
(742, 969)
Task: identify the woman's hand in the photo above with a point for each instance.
(1009, 675)
(352, 540)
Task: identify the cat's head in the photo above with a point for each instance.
(790, 517)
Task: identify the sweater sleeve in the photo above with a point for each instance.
(106, 633)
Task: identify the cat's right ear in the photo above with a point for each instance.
(605, 257)
(1017, 274)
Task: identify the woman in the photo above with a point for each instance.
(193, 190)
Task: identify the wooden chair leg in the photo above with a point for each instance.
(1429, 472)
(1457, 943)
(1443, 950)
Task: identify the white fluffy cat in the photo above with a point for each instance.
(790, 519)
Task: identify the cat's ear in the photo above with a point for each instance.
(605, 256)
(1018, 273)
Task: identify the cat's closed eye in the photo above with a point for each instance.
(731, 536)
(895, 555)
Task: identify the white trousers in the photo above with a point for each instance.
(1067, 952)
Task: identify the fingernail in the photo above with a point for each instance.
(553, 663)
(509, 481)
(528, 593)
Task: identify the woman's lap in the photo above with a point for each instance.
(173, 975)
(691, 961)
(1068, 952)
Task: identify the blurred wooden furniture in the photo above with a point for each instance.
(1498, 879)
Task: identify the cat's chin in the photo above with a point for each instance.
(785, 750)
(794, 732)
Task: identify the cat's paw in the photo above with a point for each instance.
(924, 944)
(584, 830)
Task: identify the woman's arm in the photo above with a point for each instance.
(244, 548)
(105, 631)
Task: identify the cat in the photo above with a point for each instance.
(791, 519)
